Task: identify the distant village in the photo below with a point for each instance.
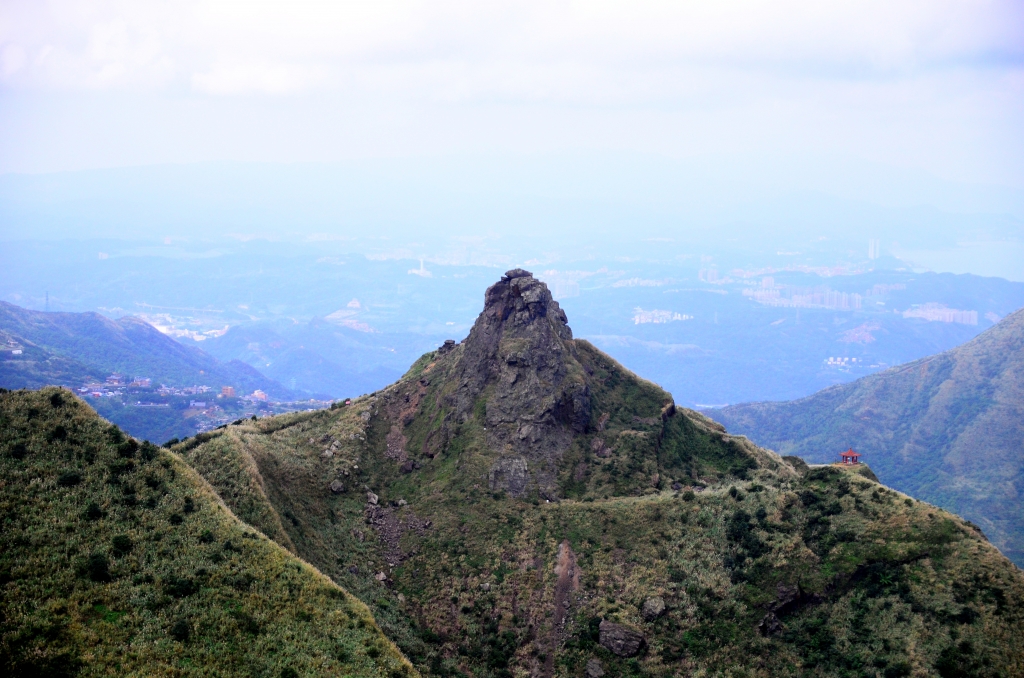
(203, 405)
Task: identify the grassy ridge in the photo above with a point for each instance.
(118, 558)
(878, 584)
(947, 428)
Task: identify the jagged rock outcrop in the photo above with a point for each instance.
(521, 355)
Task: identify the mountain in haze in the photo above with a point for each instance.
(67, 348)
(948, 429)
(73, 349)
(521, 504)
(317, 356)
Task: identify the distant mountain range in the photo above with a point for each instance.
(318, 356)
(73, 349)
(948, 429)
(69, 348)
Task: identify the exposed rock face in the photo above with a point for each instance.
(521, 355)
(653, 608)
(594, 668)
(509, 474)
(621, 640)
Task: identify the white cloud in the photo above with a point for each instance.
(936, 84)
(596, 52)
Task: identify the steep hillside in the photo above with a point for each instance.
(520, 504)
(118, 559)
(69, 348)
(948, 429)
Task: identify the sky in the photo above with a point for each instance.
(933, 87)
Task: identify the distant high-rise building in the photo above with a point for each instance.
(874, 248)
(227, 391)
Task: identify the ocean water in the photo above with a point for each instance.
(1002, 259)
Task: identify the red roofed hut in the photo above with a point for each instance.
(849, 457)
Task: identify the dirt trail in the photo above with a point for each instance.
(568, 581)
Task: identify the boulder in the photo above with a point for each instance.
(594, 668)
(653, 608)
(371, 498)
(621, 640)
(336, 487)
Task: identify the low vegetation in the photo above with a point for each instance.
(117, 558)
(947, 428)
(765, 567)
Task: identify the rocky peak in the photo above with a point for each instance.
(521, 357)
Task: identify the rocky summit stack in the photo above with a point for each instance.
(520, 504)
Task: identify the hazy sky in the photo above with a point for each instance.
(932, 85)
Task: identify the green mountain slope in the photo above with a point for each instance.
(118, 559)
(520, 504)
(948, 429)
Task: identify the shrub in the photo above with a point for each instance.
(289, 672)
(127, 449)
(119, 467)
(69, 479)
(179, 587)
(56, 400)
(176, 519)
(246, 622)
(18, 451)
(59, 433)
(206, 537)
(689, 495)
(114, 435)
(172, 442)
(97, 568)
(180, 631)
(93, 511)
(188, 506)
(122, 544)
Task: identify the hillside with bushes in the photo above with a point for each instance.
(948, 429)
(118, 559)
